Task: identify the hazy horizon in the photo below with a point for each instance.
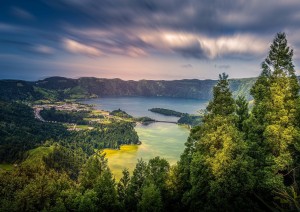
(43, 78)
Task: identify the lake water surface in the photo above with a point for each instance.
(158, 139)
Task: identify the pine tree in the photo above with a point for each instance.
(273, 126)
(222, 102)
(242, 112)
(158, 169)
(151, 199)
(137, 181)
(92, 169)
(106, 193)
(220, 170)
(122, 187)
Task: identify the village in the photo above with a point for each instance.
(92, 116)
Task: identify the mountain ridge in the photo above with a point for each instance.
(101, 87)
(91, 87)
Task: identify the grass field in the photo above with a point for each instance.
(6, 167)
(84, 127)
(35, 156)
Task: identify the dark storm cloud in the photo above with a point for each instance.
(195, 51)
(213, 17)
(201, 29)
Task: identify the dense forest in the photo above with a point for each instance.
(236, 160)
(192, 120)
(20, 132)
(64, 116)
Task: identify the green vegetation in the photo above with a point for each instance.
(192, 120)
(76, 117)
(34, 157)
(234, 160)
(250, 160)
(120, 113)
(166, 112)
(145, 120)
(110, 135)
(20, 131)
(6, 167)
(59, 88)
(18, 90)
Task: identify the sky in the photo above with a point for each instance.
(142, 39)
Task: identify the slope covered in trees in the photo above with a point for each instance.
(59, 88)
(20, 131)
(239, 160)
(197, 89)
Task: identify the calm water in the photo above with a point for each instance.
(138, 106)
(158, 139)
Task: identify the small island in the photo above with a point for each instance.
(167, 112)
(184, 118)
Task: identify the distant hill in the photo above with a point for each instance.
(17, 90)
(186, 88)
(87, 87)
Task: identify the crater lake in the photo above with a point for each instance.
(158, 139)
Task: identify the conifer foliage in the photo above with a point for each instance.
(220, 170)
(241, 159)
(274, 131)
(223, 102)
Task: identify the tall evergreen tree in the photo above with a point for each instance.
(92, 169)
(242, 112)
(106, 193)
(220, 170)
(122, 187)
(273, 129)
(135, 186)
(222, 102)
(151, 199)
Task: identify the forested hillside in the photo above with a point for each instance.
(20, 131)
(60, 88)
(197, 89)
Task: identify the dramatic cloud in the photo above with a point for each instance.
(200, 46)
(206, 16)
(202, 32)
(188, 44)
(79, 48)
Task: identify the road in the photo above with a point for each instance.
(37, 114)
